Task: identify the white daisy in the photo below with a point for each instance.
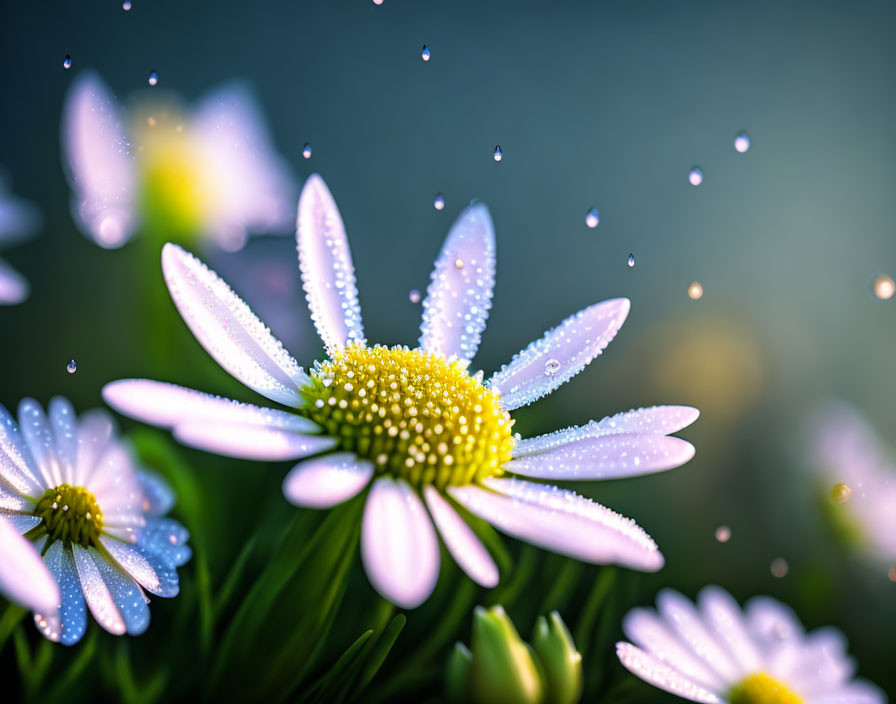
(714, 652)
(210, 172)
(68, 485)
(414, 424)
(18, 220)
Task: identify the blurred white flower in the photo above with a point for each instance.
(18, 220)
(71, 488)
(209, 172)
(414, 424)
(715, 653)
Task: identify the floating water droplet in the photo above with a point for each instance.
(67, 61)
(414, 296)
(551, 367)
(591, 218)
(439, 202)
(779, 567)
(742, 142)
(153, 78)
(695, 176)
(306, 150)
(126, 5)
(883, 287)
(841, 493)
(723, 534)
(498, 153)
(426, 53)
(458, 263)
(631, 259)
(377, 2)
(71, 367)
(695, 290)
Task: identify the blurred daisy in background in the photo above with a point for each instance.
(857, 479)
(24, 578)
(206, 173)
(18, 220)
(73, 490)
(415, 425)
(715, 652)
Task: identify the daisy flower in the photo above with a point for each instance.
(415, 425)
(18, 220)
(210, 172)
(71, 488)
(858, 478)
(716, 652)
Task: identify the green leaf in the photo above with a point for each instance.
(563, 586)
(379, 653)
(603, 584)
(12, 617)
(63, 683)
(343, 668)
(232, 580)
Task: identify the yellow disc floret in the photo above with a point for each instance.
(70, 514)
(413, 414)
(762, 689)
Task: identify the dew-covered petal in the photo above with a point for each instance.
(14, 287)
(662, 676)
(20, 522)
(126, 595)
(325, 260)
(37, 433)
(656, 420)
(64, 423)
(164, 542)
(561, 521)
(399, 547)
(24, 578)
(251, 442)
(12, 501)
(167, 405)
(95, 430)
(460, 295)
(723, 616)
(96, 592)
(229, 331)
(562, 353)
(325, 481)
(133, 561)
(68, 623)
(101, 169)
(607, 457)
(466, 549)
(16, 464)
(158, 496)
(115, 486)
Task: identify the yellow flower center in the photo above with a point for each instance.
(70, 514)
(762, 689)
(413, 414)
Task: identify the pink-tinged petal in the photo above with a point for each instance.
(466, 549)
(656, 420)
(101, 169)
(13, 286)
(133, 562)
(771, 623)
(251, 442)
(561, 521)
(607, 457)
(328, 275)
(168, 405)
(36, 431)
(460, 295)
(17, 467)
(12, 501)
(857, 692)
(399, 547)
(24, 578)
(660, 675)
(723, 616)
(325, 481)
(96, 592)
(64, 423)
(562, 353)
(229, 330)
(95, 430)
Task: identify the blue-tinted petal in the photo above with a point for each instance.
(126, 595)
(158, 497)
(67, 626)
(166, 540)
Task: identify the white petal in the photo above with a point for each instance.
(326, 481)
(770, 622)
(96, 593)
(100, 166)
(11, 500)
(724, 617)
(460, 295)
(562, 353)
(168, 405)
(125, 593)
(133, 562)
(328, 275)
(64, 423)
(229, 330)
(853, 693)
(656, 420)
(654, 672)
(95, 430)
(561, 521)
(251, 442)
(16, 464)
(36, 431)
(13, 286)
(21, 523)
(399, 547)
(24, 578)
(466, 549)
(67, 624)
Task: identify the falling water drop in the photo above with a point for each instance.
(426, 53)
(695, 290)
(742, 142)
(126, 5)
(695, 176)
(306, 150)
(551, 367)
(377, 2)
(498, 153)
(779, 567)
(439, 202)
(723, 534)
(591, 218)
(883, 287)
(71, 367)
(414, 296)
(631, 259)
(67, 61)
(841, 493)
(153, 78)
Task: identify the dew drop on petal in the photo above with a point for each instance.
(458, 263)
(71, 367)
(695, 290)
(67, 61)
(695, 176)
(439, 201)
(414, 296)
(841, 493)
(591, 218)
(498, 153)
(126, 5)
(723, 534)
(153, 78)
(779, 567)
(551, 367)
(631, 259)
(306, 150)
(883, 287)
(426, 53)
(742, 142)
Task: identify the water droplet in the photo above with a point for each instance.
(377, 2)
(306, 150)
(883, 287)
(591, 218)
(695, 176)
(498, 153)
(126, 5)
(67, 61)
(439, 201)
(841, 493)
(695, 290)
(414, 296)
(723, 534)
(458, 263)
(779, 567)
(71, 367)
(631, 259)
(153, 78)
(426, 53)
(742, 142)
(551, 367)
(892, 574)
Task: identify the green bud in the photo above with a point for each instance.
(560, 661)
(457, 674)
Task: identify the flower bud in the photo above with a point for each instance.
(559, 659)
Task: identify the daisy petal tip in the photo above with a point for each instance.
(326, 481)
